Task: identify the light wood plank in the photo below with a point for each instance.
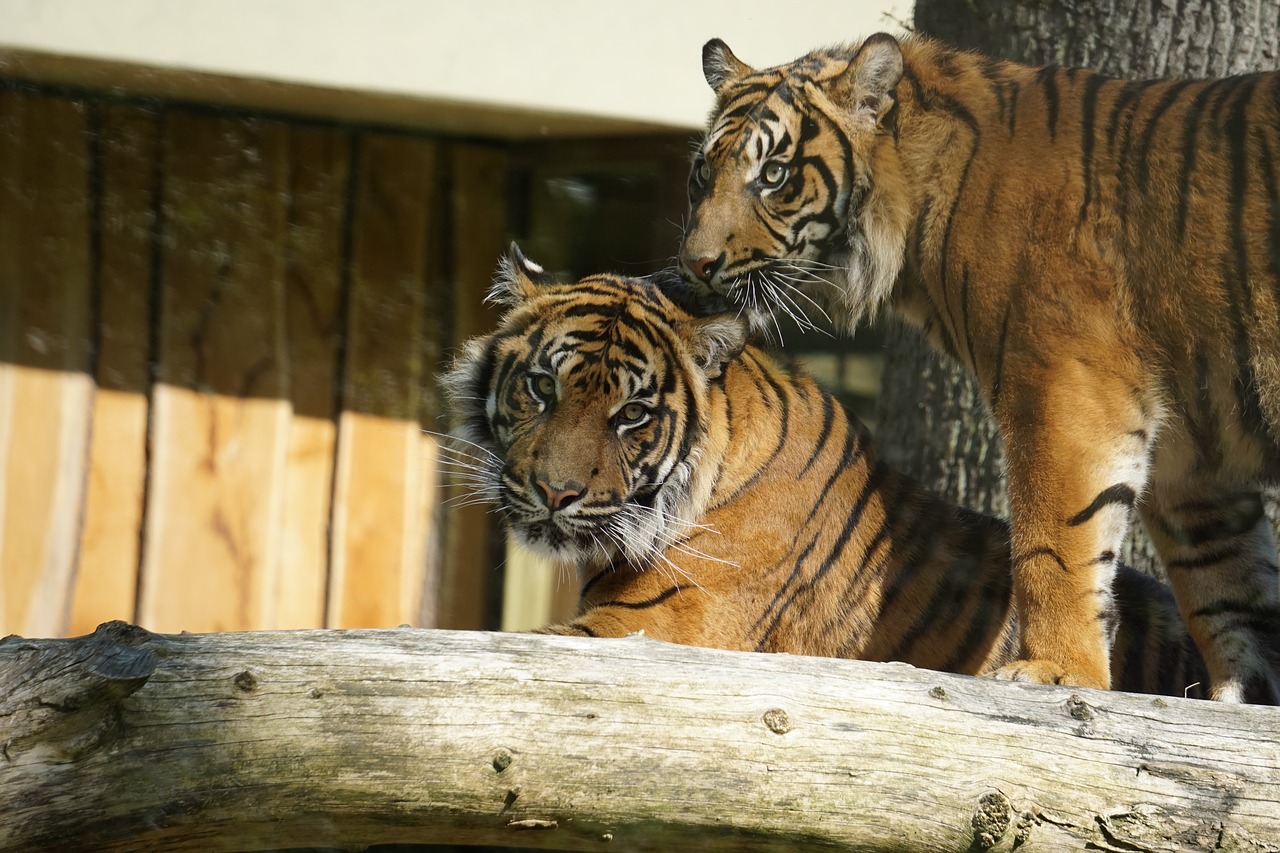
(318, 167)
(221, 420)
(107, 579)
(44, 217)
(379, 517)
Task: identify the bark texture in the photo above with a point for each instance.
(931, 421)
(129, 741)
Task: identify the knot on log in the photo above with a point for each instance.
(777, 721)
(1079, 709)
(991, 820)
(64, 698)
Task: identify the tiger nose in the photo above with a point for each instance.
(559, 497)
(702, 268)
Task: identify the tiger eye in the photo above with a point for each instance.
(633, 413)
(545, 386)
(773, 174)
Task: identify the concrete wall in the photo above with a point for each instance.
(627, 63)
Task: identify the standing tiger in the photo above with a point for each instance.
(1103, 257)
(707, 494)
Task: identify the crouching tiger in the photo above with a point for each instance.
(709, 494)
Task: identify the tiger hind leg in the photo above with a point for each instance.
(1218, 549)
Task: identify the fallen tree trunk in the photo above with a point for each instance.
(126, 740)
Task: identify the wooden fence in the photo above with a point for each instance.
(219, 337)
(218, 341)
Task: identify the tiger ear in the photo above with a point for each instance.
(716, 340)
(720, 66)
(516, 279)
(867, 85)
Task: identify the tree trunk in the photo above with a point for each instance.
(131, 741)
(930, 421)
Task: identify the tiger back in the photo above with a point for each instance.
(706, 493)
(1103, 257)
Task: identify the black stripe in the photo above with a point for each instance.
(784, 596)
(1047, 78)
(964, 312)
(1090, 106)
(1267, 614)
(1273, 209)
(1149, 131)
(952, 327)
(996, 589)
(1019, 559)
(1014, 89)
(828, 418)
(832, 559)
(1190, 128)
(641, 605)
(998, 378)
(1125, 100)
(1212, 558)
(1120, 494)
(1226, 525)
(1240, 301)
(586, 587)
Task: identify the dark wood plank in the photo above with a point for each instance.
(480, 234)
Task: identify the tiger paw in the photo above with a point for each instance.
(1045, 672)
(1255, 687)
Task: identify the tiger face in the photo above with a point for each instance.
(784, 214)
(586, 409)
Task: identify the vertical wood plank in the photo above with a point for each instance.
(480, 210)
(11, 200)
(379, 515)
(107, 579)
(221, 417)
(318, 178)
(46, 392)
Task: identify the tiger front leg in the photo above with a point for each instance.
(1077, 447)
(601, 622)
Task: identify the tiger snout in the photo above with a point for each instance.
(559, 495)
(702, 269)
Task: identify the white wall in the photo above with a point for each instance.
(633, 61)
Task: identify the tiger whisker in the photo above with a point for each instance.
(778, 296)
(791, 288)
(451, 437)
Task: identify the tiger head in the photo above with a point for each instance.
(585, 412)
(795, 191)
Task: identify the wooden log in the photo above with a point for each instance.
(125, 740)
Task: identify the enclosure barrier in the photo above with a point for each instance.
(128, 740)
